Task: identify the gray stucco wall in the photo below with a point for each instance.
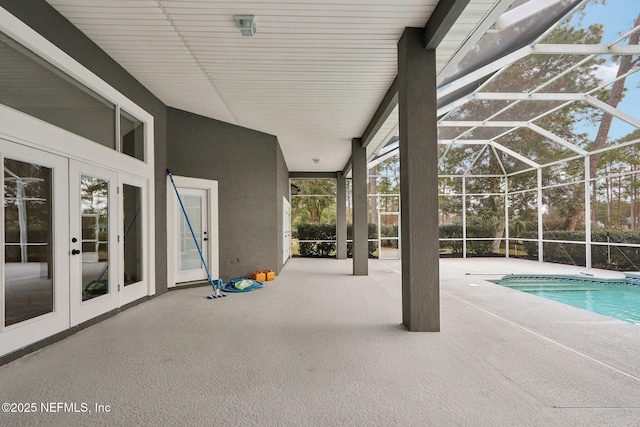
(246, 165)
(41, 17)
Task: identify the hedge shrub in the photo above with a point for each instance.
(328, 232)
(474, 247)
(372, 233)
(317, 232)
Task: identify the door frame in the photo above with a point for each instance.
(286, 230)
(211, 188)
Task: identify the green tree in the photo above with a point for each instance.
(315, 203)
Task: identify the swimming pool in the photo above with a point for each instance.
(615, 298)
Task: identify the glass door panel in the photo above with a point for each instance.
(134, 273)
(132, 215)
(28, 241)
(34, 274)
(190, 267)
(94, 212)
(189, 255)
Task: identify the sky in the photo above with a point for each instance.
(618, 17)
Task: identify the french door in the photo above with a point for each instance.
(34, 275)
(73, 243)
(93, 218)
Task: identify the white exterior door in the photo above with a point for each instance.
(200, 200)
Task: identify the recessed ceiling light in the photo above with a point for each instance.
(246, 24)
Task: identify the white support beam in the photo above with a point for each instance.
(464, 217)
(585, 49)
(587, 209)
(540, 217)
(555, 138)
(393, 132)
(479, 123)
(452, 106)
(383, 157)
(450, 142)
(484, 71)
(512, 153)
(387, 148)
(506, 214)
(522, 12)
(519, 96)
(613, 111)
(624, 35)
(444, 155)
(617, 146)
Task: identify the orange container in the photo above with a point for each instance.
(270, 275)
(259, 276)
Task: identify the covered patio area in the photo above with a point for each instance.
(319, 346)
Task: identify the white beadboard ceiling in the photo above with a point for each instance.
(313, 75)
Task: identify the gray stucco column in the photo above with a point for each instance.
(359, 184)
(418, 183)
(341, 216)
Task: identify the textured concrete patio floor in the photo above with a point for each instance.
(320, 347)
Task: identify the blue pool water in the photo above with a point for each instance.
(609, 298)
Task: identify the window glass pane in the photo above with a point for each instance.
(132, 234)
(131, 136)
(35, 87)
(189, 250)
(95, 236)
(28, 241)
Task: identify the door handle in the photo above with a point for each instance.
(75, 252)
(205, 239)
